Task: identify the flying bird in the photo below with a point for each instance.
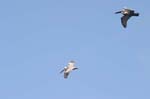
(127, 13)
(67, 69)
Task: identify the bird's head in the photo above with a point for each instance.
(65, 67)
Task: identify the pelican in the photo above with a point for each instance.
(127, 13)
(67, 69)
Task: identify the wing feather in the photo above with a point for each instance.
(66, 75)
(124, 20)
(62, 70)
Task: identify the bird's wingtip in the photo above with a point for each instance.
(117, 12)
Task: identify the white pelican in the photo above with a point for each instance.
(67, 69)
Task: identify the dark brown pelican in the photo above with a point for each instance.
(68, 68)
(127, 13)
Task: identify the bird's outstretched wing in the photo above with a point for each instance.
(124, 20)
(75, 68)
(117, 12)
(66, 75)
(65, 68)
(62, 70)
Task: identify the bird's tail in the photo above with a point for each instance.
(136, 14)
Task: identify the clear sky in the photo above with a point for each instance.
(39, 37)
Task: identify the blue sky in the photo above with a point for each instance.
(39, 37)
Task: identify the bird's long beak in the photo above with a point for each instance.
(117, 12)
